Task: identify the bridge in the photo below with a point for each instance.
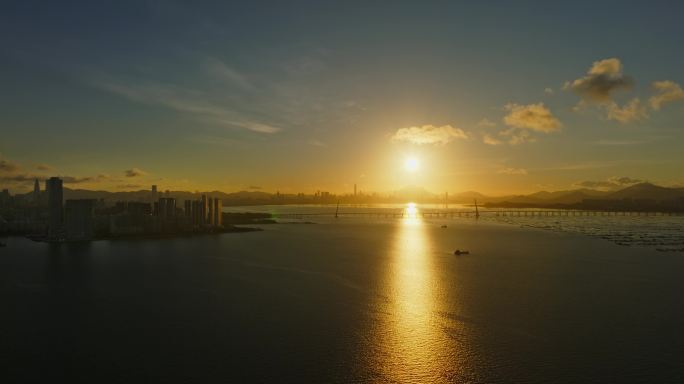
(401, 213)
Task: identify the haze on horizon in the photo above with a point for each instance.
(267, 96)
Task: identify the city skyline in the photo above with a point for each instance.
(233, 98)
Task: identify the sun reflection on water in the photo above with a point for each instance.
(413, 347)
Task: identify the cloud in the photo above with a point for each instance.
(518, 136)
(19, 177)
(666, 92)
(8, 166)
(632, 111)
(317, 143)
(429, 134)
(220, 70)
(185, 101)
(86, 179)
(486, 123)
(490, 140)
(135, 172)
(548, 91)
(601, 81)
(254, 187)
(609, 184)
(513, 171)
(129, 186)
(44, 167)
(535, 117)
(251, 125)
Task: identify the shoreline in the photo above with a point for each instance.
(147, 236)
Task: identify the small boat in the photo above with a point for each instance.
(444, 226)
(459, 252)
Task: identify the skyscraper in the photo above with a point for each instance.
(55, 208)
(218, 214)
(154, 194)
(210, 211)
(204, 209)
(36, 192)
(79, 219)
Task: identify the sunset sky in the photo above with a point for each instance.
(270, 96)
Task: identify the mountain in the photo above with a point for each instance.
(647, 191)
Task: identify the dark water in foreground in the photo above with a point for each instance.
(343, 301)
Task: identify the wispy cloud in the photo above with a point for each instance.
(612, 183)
(222, 71)
(512, 171)
(8, 166)
(486, 123)
(135, 172)
(186, 101)
(317, 143)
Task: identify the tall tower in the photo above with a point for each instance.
(354, 189)
(154, 194)
(218, 212)
(204, 208)
(36, 191)
(210, 211)
(55, 208)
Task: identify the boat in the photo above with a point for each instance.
(444, 226)
(459, 252)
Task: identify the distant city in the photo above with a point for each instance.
(45, 215)
(57, 214)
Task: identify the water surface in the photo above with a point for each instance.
(346, 300)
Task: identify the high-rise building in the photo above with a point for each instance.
(204, 208)
(36, 191)
(167, 207)
(218, 212)
(354, 189)
(210, 211)
(154, 196)
(79, 219)
(55, 208)
(187, 208)
(197, 213)
(5, 197)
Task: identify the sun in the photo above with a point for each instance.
(411, 164)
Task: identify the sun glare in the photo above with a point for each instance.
(411, 164)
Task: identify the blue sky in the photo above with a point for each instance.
(314, 95)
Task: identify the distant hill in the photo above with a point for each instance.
(648, 191)
(643, 191)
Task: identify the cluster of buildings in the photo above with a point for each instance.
(49, 216)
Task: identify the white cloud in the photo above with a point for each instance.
(429, 134)
(490, 140)
(535, 117)
(632, 111)
(666, 92)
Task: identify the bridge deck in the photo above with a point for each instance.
(451, 214)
